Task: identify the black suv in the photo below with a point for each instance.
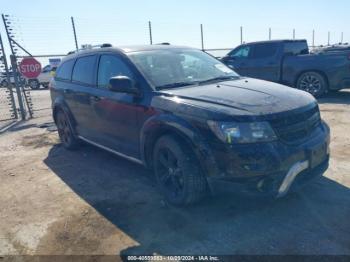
(194, 121)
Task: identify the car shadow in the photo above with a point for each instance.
(339, 97)
(313, 221)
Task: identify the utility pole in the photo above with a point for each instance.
(75, 34)
(313, 38)
(329, 37)
(293, 33)
(342, 37)
(150, 33)
(202, 37)
(270, 33)
(241, 34)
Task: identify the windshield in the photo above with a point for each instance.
(180, 67)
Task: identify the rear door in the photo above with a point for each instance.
(264, 62)
(64, 87)
(83, 83)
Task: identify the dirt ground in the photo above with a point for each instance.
(53, 201)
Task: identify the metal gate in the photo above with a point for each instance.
(30, 103)
(8, 112)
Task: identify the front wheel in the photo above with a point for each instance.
(177, 171)
(312, 82)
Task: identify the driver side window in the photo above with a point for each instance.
(242, 52)
(110, 66)
(46, 69)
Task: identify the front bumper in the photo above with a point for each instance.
(270, 168)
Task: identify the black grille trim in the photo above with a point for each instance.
(298, 126)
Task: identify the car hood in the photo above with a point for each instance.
(244, 96)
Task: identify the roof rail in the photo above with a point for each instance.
(88, 47)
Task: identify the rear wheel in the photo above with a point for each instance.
(177, 171)
(65, 131)
(312, 82)
(4, 83)
(34, 84)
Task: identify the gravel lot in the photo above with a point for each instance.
(91, 202)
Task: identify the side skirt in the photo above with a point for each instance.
(135, 160)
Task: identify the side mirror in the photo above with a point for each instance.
(123, 84)
(228, 58)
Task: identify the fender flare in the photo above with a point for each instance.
(162, 124)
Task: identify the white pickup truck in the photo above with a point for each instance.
(43, 79)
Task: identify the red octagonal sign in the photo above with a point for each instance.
(30, 67)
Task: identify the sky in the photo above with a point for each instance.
(44, 27)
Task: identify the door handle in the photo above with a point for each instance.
(67, 91)
(95, 98)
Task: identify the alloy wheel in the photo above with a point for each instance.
(63, 129)
(170, 174)
(311, 84)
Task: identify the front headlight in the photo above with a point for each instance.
(235, 132)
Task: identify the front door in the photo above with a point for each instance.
(115, 114)
(238, 60)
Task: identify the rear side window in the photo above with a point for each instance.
(109, 66)
(64, 72)
(83, 71)
(296, 48)
(242, 52)
(264, 50)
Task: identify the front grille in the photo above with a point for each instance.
(297, 126)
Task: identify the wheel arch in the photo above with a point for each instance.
(322, 73)
(159, 126)
(58, 105)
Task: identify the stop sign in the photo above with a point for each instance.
(30, 67)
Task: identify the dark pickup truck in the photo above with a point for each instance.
(289, 62)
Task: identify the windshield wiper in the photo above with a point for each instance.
(218, 79)
(176, 84)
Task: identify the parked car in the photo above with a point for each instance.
(43, 79)
(289, 62)
(4, 81)
(200, 126)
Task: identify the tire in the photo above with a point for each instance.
(177, 171)
(65, 131)
(4, 83)
(34, 84)
(312, 82)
